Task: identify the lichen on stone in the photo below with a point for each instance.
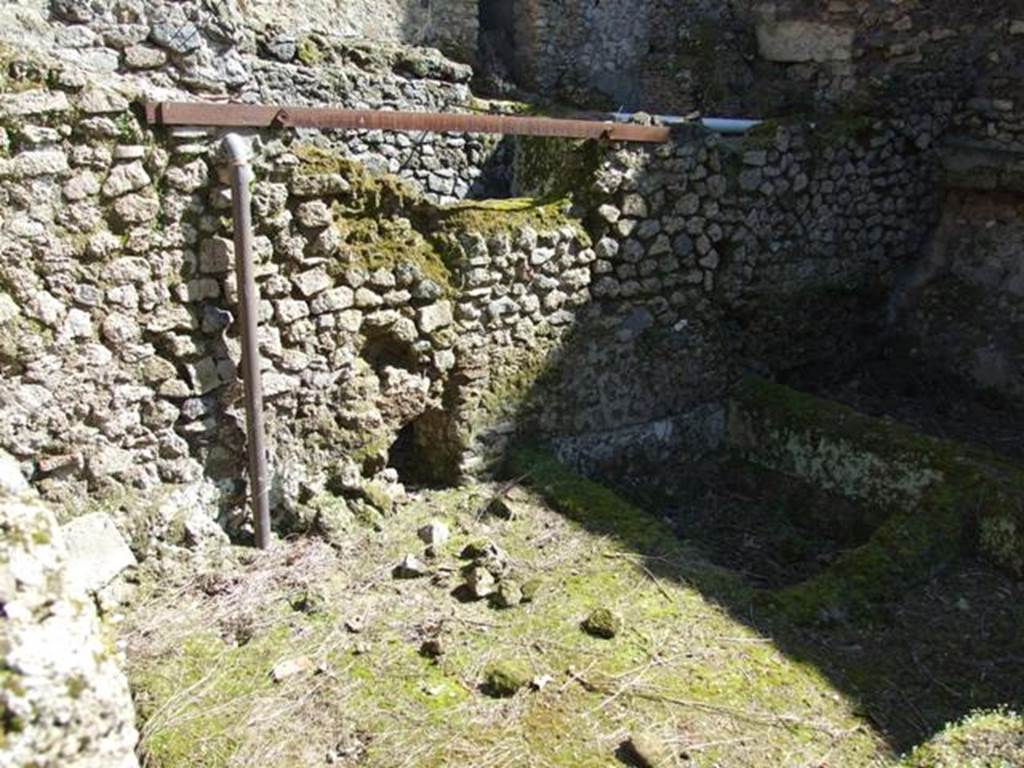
(309, 52)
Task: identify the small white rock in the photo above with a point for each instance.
(290, 667)
(96, 550)
(434, 533)
(411, 567)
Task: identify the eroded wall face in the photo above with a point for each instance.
(965, 311)
(379, 305)
(612, 330)
(117, 297)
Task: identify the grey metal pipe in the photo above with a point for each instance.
(727, 125)
(248, 305)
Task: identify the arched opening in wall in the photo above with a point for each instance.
(424, 453)
(497, 61)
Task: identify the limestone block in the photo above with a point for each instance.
(96, 550)
(44, 162)
(312, 281)
(435, 316)
(62, 684)
(37, 102)
(102, 101)
(137, 208)
(333, 300)
(144, 57)
(178, 37)
(802, 41)
(190, 177)
(80, 186)
(215, 255)
(290, 310)
(124, 179)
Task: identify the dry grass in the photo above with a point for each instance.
(226, 593)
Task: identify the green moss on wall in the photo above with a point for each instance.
(555, 168)
(511, 384)
(491, 217)
(381, 223)
(23, 339)
(381, 220)
(385, 222)
(309, 52)
(372, 243)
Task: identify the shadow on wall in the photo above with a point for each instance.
(960, 310)
(497, 46)
(449, 25)
(496, 178)
(638, 367)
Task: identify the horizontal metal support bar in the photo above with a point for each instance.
(260, 116)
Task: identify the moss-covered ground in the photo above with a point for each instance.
(308, 655)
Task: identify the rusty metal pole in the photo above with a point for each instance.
(248, 305)
(274, 116)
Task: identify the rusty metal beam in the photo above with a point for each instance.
(262, 116)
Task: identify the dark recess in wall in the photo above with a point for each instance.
(497, 48)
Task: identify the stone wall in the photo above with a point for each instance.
(180, 51)
(934, 499)
(405, 332)
(410, 330)
(118, 298)
(717, 256)
(213, 39)
(383, 309)
(653, 55)
(751, 58)
(960, 309)
(721, 56)
(397, 321)
(450, 25)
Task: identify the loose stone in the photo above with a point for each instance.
(411, 567)
(602, 623)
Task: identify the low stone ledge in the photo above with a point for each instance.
(886, 466)
(970, 166)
